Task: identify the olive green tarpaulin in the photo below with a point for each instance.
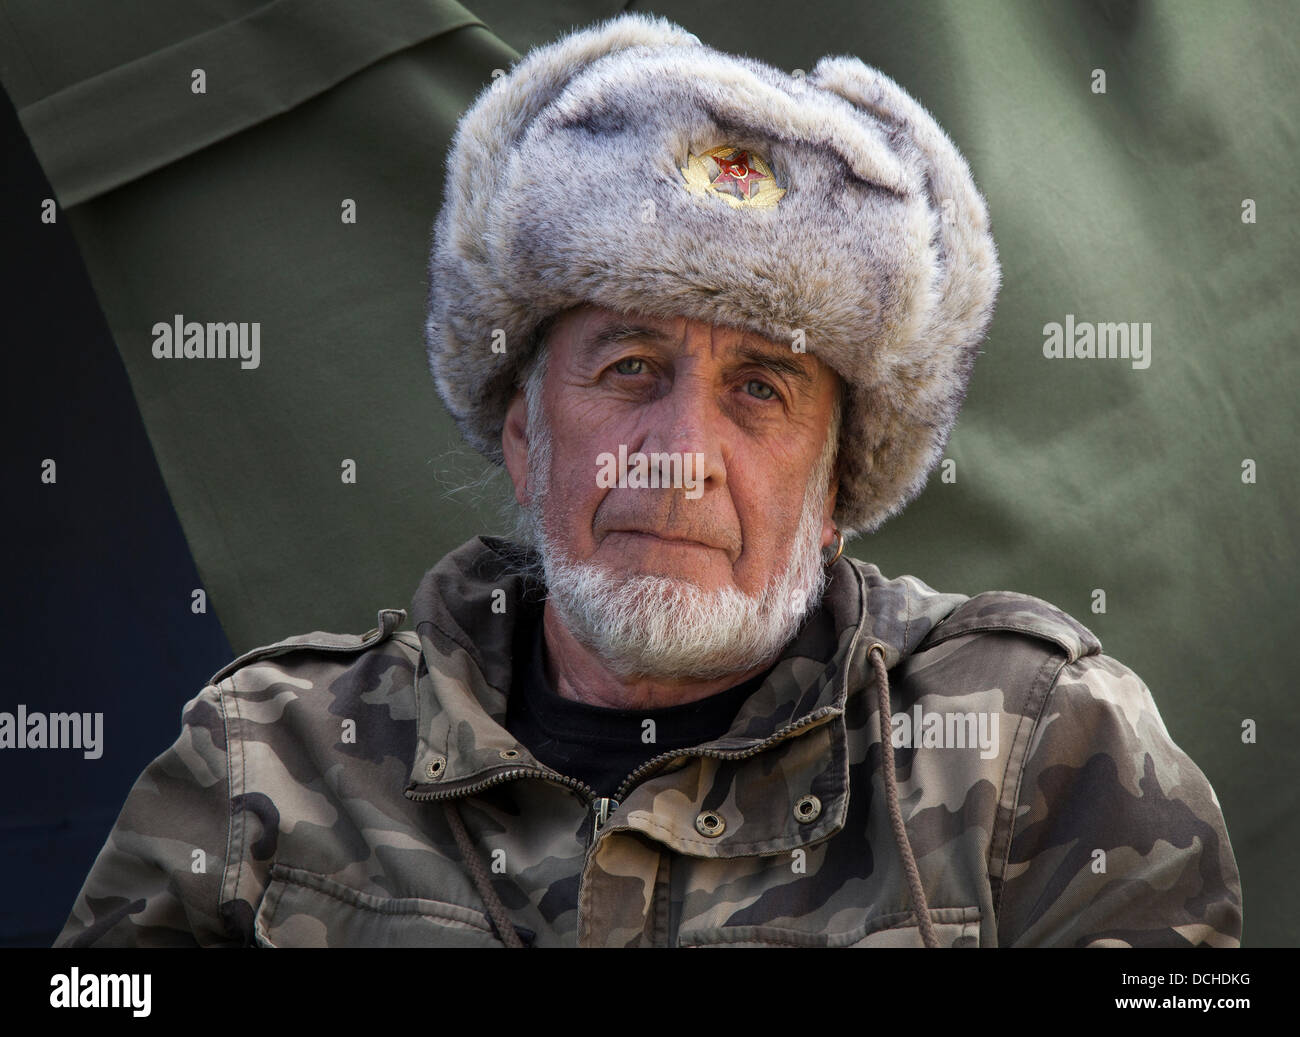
(1165, 195)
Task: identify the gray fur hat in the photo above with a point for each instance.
(632, 166)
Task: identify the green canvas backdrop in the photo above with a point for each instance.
(1071, 476)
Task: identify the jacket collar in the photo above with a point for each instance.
(466, 609)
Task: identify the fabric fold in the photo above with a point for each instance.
(122, 124)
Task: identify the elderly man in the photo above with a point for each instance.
(712, 319)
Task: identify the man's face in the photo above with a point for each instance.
(747, 418)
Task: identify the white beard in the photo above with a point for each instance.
(664, 628)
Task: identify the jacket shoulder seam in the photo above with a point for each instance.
(1005, 823)
(235, 845)
(1045, 622)
(231, 848)
(388, 621)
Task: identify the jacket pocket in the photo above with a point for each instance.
(303, 909)
(954, 927)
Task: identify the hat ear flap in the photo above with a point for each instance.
(967, 255)
(930, 361)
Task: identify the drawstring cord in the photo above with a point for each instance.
(496, 910)
(919, 906)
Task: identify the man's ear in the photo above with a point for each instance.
(829, 528)
(514, 445)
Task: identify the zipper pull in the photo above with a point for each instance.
(603, 807)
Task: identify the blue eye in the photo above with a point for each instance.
(766, 391)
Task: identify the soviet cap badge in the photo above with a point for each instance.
(736, 175)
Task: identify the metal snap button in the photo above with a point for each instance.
(710, 824)
(807, 809)
(436, 766)
(509, 754)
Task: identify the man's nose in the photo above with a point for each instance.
(687, 420)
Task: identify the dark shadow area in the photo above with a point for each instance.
(97, 606)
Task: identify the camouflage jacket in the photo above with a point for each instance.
(303, 802)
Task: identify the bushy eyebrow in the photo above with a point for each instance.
(621, 331)
(778, 364)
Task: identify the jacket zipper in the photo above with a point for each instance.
(812, 719)
(555, 777)
(603, 806)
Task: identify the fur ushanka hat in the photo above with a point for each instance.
(631, 166)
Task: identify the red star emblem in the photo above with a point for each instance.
(738, 171)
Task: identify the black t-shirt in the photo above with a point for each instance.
(601, 746)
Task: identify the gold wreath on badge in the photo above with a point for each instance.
(736, 175)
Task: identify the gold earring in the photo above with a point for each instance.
(839, 549)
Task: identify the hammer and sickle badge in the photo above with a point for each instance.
(736, 175)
